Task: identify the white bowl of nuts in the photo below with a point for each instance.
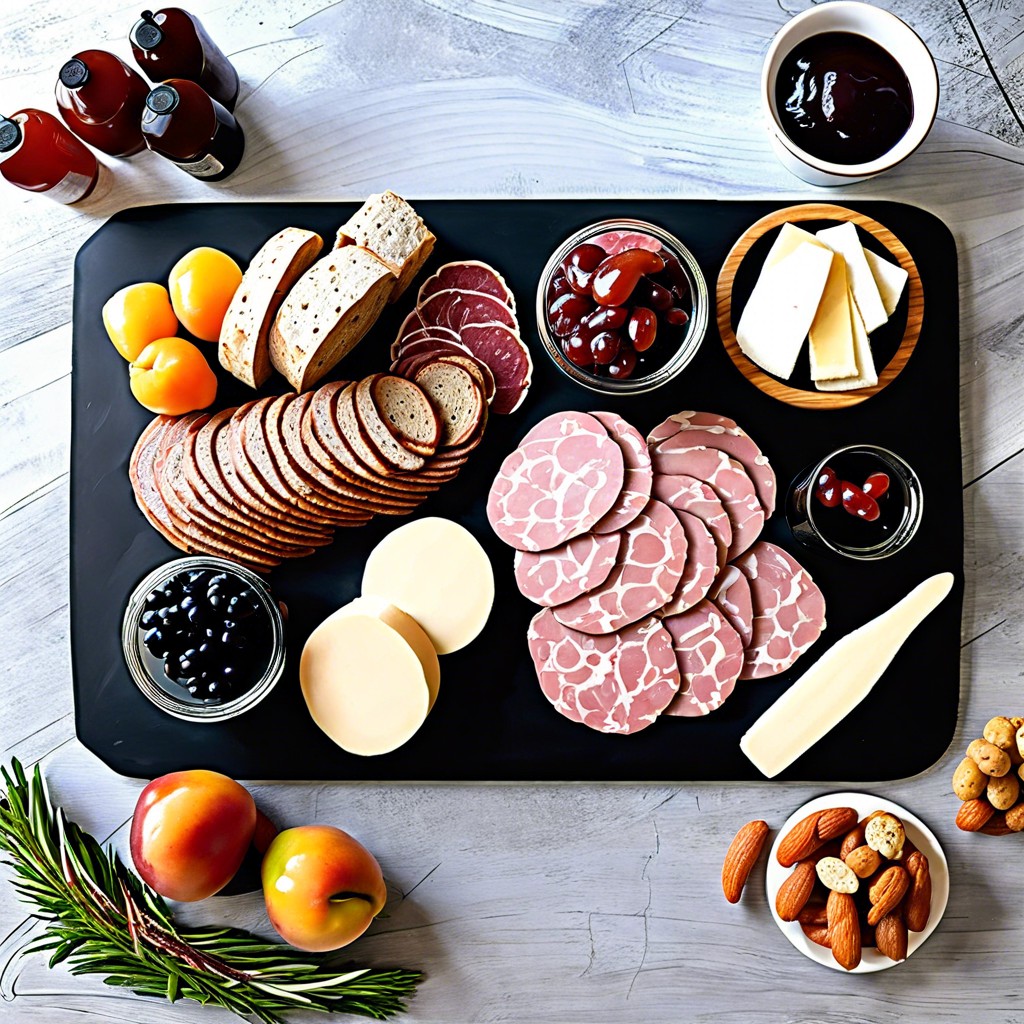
(881, 878)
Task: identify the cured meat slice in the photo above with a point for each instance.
(564, 424)
(554, 577)
(551, 490)
(429, 344)
(713, 431)
(701, 565)
(455, 309)
(728, 479)
(617, 683)
(618, 241)
(731, 593)
(468, 276)
(413, 329)
(647, 571)
(503, 351)
(710, 656)
(688, 494)
(789, 610)
(636, 488)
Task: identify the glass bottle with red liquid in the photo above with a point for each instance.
(102, 100)
(171, 43)
(200, 135)
(39, 154)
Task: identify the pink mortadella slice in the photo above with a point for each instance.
(639, 479)
(731, 593)
(688, 494)
(700, 568)
(616, 683)
(554, 577)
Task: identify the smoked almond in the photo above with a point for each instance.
(795, 891)
(863, 861)
(817, 933)
(886, 893)
(835, 821)
(996, 825)
(852, 840)
(891, 936)
(813, 913)
(917, 904)
(974, 814)
(741, 856)
(843, 930)
(800, 841)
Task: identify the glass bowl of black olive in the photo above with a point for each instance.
(203, 638)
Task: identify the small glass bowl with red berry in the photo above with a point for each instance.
(861, 501)
(622, 307)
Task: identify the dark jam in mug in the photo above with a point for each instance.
(842, 98)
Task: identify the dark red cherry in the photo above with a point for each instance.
(580, 264)
(624, 363)
(577, 350)
(827, 489)
(642, 328)
(605, 318)
(859, 504)
(604, 347)
(650, 293)
(677, 317)
(558, 286)
(876, 485)
(680, 282)
(566, 312)
(617, 276)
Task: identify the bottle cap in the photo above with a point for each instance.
(74, 74)
(146, 34)
(10, 134)
(163, 99)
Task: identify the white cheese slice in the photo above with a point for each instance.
(843, 239)
(841, 678)
(831, 334)
(787, 240)
(363, 684)
(890, 279)
(409, 628)
(436, 571)
(866, 375)
(778, 314)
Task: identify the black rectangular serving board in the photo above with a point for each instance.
(491, 721)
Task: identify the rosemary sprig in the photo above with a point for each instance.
(103, 919)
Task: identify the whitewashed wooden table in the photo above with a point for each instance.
(538, 903)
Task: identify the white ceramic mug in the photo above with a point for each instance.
(893, 35)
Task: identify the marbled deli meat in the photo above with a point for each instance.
(639, 477)
(731, 593)
(789, 610)
(646, 574)
(616, 683)
(688, 494)
(556, 576)
(700, 568)
(710, 656)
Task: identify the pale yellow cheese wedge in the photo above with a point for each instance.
(831, 334)
(409, 628)
(843, 239)
(436, 571)
(786, 242)
(780, 309)
(363, 683)
(890, 279)
(841, 678)
(866, 375)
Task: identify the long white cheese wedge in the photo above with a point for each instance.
(866, 375)
(436, 571)
(843, 239)
(787, 241)
(780, 309)
(841, 678)
(890, 279)
(831, 334)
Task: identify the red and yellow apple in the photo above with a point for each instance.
(322, 887)
(190, 833)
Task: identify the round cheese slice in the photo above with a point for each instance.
(364, 684)
(437, 572)
(411, 631)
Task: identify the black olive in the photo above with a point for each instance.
(149, 619)
(187, 602)
(153, 600)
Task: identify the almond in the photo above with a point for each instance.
(853, 839)
(800, 841)
(795, 891)
(813, 913)
(816, 933)
(863, 861)
(886, 893)
(891, 936)
(918, 902)
(833, 822)
(843, 929)
(741, 856)
(973, 814)
(996, 825)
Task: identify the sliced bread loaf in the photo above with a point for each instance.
(244, 346)
(326, 314)
(390, 447)
(455, 394)
(391, 229)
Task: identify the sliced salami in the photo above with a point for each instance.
(617, 683)
(727, 478)
(789, 610)
(554, 577)
(710, 656)
(455, 309)
(688, 494)
(731, 593)
(713, 431)
(467, 276)
(647, 571)
(639, 478)
(700, 568)
(551, 490)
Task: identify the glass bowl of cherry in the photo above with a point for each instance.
(203, 638)
(862, 501)
(622, 307)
